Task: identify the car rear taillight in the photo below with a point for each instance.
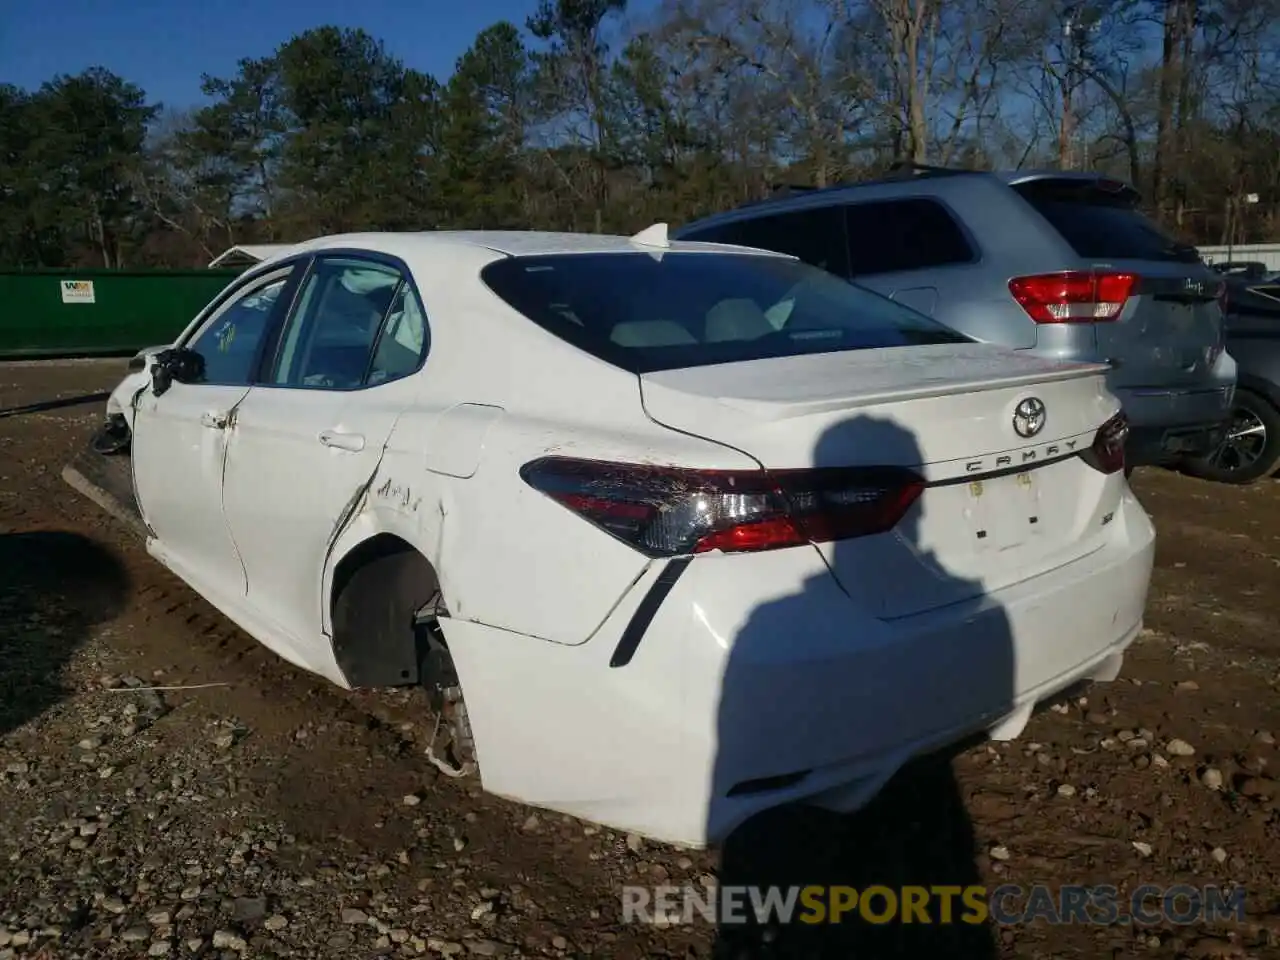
(1073, 297)
(669, 511)
(1106, 453)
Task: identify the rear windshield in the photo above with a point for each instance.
(1103, 224)
(645, 312)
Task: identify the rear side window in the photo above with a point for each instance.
(403, 338)
(1103, 222)
(911, 234)
(642, 312)
(814, 236)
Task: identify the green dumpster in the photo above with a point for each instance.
(86, 313)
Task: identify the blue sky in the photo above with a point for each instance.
(164, 45)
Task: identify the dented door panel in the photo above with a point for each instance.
(178, 454)
(288, 491)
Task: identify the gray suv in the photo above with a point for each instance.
(1060, 264)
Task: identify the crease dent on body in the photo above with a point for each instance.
(352, 507)
(453, 604)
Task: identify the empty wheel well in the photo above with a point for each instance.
(378, 589)
(375, 548)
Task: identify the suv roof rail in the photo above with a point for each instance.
(777, 191)
(909, 168)
(900, 170)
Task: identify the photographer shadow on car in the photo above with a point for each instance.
(871, 698)
(55, 587)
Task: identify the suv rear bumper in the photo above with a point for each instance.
(1154, 446)
(1167, 424)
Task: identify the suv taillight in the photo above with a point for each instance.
(1073, 297)
(669, 511)
(1106, 454)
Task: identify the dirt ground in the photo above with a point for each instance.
(269, 814)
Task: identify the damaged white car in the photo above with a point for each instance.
(673, 532)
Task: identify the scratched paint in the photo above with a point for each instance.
(399, 495)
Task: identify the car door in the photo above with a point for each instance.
(308, 438)
(180, 436)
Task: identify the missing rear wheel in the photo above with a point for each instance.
(452, 747)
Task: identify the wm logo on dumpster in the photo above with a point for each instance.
(77, 291)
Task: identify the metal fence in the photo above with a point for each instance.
(1267, 253)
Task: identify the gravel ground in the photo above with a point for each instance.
(259, 812)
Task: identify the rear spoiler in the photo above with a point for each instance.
(1108, 186)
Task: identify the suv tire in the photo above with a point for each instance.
(1244, 457)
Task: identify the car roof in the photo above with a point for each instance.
(926, 180)
(511, 243)
(1026, 176)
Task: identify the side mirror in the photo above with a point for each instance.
(176, 364)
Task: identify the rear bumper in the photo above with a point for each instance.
(759, 682)
(1168, 424)
(1150, 446)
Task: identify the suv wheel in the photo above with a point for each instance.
(1251, 450)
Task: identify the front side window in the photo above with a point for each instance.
(644, 312)
(329, 339)
(229, 342)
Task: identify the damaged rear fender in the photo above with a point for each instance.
(380, 510)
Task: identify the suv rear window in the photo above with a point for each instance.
(1101, 223)
(865, 238)
(816, 236)
(886, 236)
(645, 312)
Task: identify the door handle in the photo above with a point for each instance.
(342, 441)
(214, 421)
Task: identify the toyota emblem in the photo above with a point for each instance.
(1029, 417)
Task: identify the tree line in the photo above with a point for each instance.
(584, 118)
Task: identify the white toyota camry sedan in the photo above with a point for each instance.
(671, 532)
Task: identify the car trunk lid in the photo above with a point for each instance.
(998, 507)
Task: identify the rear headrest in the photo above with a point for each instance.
(651, 333)
(739, 319)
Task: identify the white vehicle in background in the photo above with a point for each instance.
(698, 530)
